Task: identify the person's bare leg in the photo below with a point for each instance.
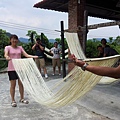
(54, 70)
(21, 89)
(12, 89)
(59, 70)
(37, 61)
(40, 70)
(45, 70)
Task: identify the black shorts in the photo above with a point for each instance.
(12, 75)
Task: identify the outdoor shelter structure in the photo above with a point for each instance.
(78, 12)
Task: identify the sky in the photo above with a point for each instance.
(19, 16)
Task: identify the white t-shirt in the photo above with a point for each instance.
(56, 52)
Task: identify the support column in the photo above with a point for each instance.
(63, 49)
(76, 18)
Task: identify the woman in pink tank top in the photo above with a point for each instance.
(13, 51)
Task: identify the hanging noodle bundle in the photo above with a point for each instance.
(76, 49)
(64, 92)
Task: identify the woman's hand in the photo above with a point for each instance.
(35, 56)
(8, 58)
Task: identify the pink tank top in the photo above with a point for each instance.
(13, 53)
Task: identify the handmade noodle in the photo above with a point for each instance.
(65, 91)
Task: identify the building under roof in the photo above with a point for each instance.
(78, 12)
(107, 9)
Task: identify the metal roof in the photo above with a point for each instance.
(107, 9)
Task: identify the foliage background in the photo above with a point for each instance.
(91, 45)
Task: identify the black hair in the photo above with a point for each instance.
(103, 39)
(13, 37)
(99, 46)
(55, 42)
(38, 39)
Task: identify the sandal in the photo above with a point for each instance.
(24, 101)
(14, 104)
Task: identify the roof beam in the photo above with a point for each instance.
(95, 26)
(103, 8)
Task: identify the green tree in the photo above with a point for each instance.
(45, 40)
(41, 36)
(28, 48)
(91, 48)
(59, 42)
(117, 44)
(30, 32)
(110, 40)
(117, 40)
(4, 41)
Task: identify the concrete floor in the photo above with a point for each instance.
(101, 103)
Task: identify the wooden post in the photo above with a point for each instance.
(42, 38)
(85, 30)
(63, 49)
(32, 38)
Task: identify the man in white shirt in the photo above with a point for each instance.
(56, 58)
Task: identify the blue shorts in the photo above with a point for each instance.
(13, 75)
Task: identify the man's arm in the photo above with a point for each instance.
(33, 47)
(41, 47)
(51, 51)
(102, 71)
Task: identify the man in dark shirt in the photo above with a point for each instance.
(108, 51)
(39, 51)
